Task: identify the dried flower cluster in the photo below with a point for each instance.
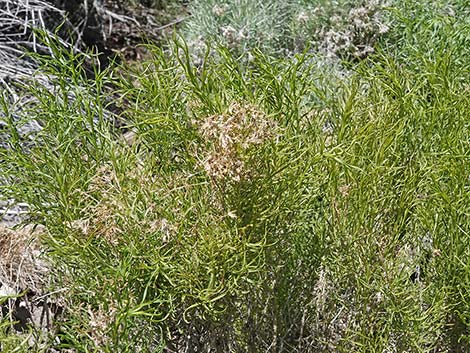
(230, 135)
(353, 33)
(220, 10)
(233, 37)
(109, 204)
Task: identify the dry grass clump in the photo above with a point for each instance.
(101, 320)
(230, 136)
(26, 302)
(22, 265)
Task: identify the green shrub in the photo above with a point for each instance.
(263, 204)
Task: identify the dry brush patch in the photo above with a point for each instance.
(22, 264)
(26, 299)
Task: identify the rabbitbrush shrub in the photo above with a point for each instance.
(260, 204)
